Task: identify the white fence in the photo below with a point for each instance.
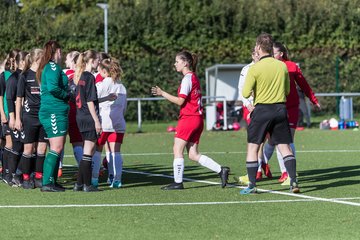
(223, 99)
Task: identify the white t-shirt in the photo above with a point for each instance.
(244, 71)
(112, 112)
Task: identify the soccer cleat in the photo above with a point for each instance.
(116, 184)
(8, 179)
(38, 182)
(28, 184)
(110, 179)
(248, 190)
(286, 182)
(90, 188)
(16, 180)
(224, 175)
(283, 177)
(51, 188)
(78, 188)
(266, 169)
(173, 186)
(258, 176)
(60, 172)
(59, 186)
(294, 187)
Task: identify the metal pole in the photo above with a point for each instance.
(105, 7)
(139, 116)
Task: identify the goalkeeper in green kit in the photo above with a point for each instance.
(53, 112)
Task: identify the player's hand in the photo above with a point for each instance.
(3, 119)
(250, 107)
(156, 91)
(18, 125)
(317, 106)
(98, 128)
(12, 124)
(112, 97)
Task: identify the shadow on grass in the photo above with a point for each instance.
(131, 180)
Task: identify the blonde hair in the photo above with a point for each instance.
(112, 66)
(81, 62)
(32, 57)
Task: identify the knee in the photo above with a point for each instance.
(194, 156)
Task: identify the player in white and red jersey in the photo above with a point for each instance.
(191, 122)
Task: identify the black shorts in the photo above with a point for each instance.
(272, 119)
(32, 131)
(16, 135)
(5, 129)
(89, 135)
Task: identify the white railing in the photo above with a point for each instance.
(139, 112)
(223, 99)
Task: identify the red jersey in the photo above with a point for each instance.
(98, 78)
(297, 78)
(189, 89)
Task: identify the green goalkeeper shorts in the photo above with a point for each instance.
(55, 124)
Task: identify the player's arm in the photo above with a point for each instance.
(156, 91)
(2, 92)
(19, 103)
(305, 87)
(92, 110)
(11, 99)
(249, 84)
(53, 78)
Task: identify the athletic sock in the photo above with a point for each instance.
(178, 168)
(251, 168)
(39, 165)
(57, 166)
(110, 164)
(50, 163)
(260, 161)
(96, 162)
(118, 166)
(25, 164)
(281, 161)
(290, 164)
(6, 154)
(13, 161)
(292, 145)
(84, 176)
(33, 162)
(268, 152)
(209, 163)
(78, 153)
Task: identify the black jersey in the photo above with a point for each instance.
(29, 89)
(86, 92)
(11, 87)
(2, 84)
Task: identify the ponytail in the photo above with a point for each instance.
(81, 62)
(32, 58)
(190, 58)
(28, 63)
(282, 48)
(113, 68)
(10, 60)
(48, 54)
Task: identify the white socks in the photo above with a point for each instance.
(78, 153)
(178, 167)
(209, 163)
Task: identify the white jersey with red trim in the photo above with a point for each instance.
(112, 112)
(190, 90)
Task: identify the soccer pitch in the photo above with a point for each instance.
(327, 208)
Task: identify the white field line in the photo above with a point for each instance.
(241, 152)
(259, 190)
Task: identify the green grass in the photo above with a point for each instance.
(325, 170)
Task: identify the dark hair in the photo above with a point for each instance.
(10, 60)
(282, 48)
(112, 66)
(190, 58)
(48, 54)
(265, 42)
(103, 55)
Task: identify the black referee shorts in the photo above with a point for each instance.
(272, 119)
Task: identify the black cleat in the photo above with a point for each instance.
(224, 175)
(28, 184)
(90, 188)
(51, 188)
(38, 182)
(59, 186)
(8, 179)
(17, 180)
(78, 188)
(173, 186)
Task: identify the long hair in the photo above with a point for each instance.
(48, 54)
(190, 58)
(265, 42)
(73, 55)
(112, 66)
(20, 57)
(32, 57)
(81, 62)
(282, 48)
(10, 61)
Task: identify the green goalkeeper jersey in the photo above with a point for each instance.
(54, 89)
